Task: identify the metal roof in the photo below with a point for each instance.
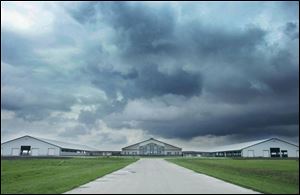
(66, 145)
(240, 146)
(59, 144)
(149, 140)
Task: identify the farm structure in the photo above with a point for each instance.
(33, 146)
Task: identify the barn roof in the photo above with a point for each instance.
(66, 145)
(241, 146)
(149, 140)
(60, 144)
(238, 146)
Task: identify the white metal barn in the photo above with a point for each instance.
(152, 147)
(272, 147)
(32, 146)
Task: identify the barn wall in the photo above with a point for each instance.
(74, 154)
(172, 150)
(134, 147)
(130, 152)
(151, 141)
(258, 150)
(168, 149)
(41, 147)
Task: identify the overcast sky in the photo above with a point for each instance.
(109, 74)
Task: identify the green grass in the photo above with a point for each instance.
(34, 176)
(267, 176)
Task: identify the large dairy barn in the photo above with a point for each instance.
(272, 147)
(33, 146)
(152, 147)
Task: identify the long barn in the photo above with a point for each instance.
(272, 147)
(152, 147)
(33, 146)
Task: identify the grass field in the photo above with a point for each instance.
(54, 175)
(267, 176)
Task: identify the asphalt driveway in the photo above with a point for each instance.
(157, 176)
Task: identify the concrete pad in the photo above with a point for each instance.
(157, 176)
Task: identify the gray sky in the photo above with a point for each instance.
(108, 74)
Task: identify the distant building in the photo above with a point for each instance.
(33, 146)
(152, 147)
(272, 147)
(193, 153)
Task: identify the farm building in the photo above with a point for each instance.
(192, 153)
(272, 147)
(32, 146)
(152, 147)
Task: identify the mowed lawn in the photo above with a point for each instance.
(267, 176)
(55, 175)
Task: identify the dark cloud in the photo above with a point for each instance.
(16, 49)
(229, 46)
(172, 70)
(23, 92)
(148, 81)
(292, 30)
(257, 119)
(145, 34)
(35, 106)
(151, 81)
(85, 13)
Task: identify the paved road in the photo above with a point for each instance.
(157, 176)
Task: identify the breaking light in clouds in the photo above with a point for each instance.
(109, 74)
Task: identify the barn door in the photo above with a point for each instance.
(275, 152)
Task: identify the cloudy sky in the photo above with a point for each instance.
(108, 74)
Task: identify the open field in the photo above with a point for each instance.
(267, 176)
(55, 175)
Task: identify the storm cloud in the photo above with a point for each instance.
(124, 71)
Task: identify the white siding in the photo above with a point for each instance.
(135, 149)
(34, 151)
(15, 151)
(250, 153)
(266, 153)
(172, 150)
(151, 141)
(41, 148)
(51, 151)
(260, 150)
